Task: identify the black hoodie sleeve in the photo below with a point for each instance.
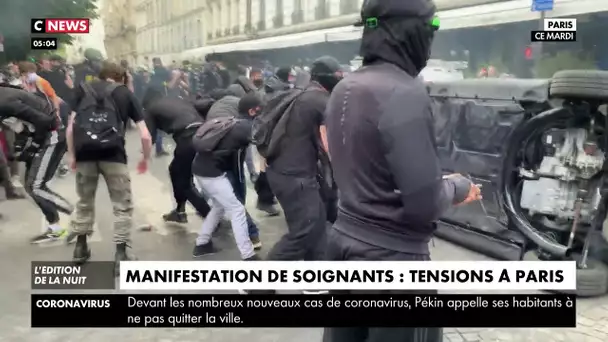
(406, 127)
(150, 120)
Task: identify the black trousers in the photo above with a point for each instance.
(263, 189)
(341, 247)
(180, 171)
(41, 169)
(305, 215)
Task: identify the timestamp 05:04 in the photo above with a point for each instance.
(44, 43)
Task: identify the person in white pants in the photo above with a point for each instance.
(210, 167)
(223, 202)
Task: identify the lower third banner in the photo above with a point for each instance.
(461, 311)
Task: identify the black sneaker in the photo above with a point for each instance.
(162, 154)
(270, 210)
(257, 243)
(175, 217)
(82, 253)
(202, 250)
(49, 236)
(121, 255)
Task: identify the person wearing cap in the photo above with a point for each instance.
(293, 172)
(89, 69)
(384, 154)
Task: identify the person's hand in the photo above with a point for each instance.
(146, 144)
(142, 166)
(474, 194)
(474, 190)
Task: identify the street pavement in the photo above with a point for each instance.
(152, 198)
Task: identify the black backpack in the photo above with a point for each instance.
(270, 125)
(97, 125)
(211, 133)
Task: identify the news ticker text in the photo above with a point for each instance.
(332, 310)
(44, 43)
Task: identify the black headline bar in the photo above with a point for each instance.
(154, 311)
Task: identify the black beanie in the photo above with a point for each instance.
(323, 71)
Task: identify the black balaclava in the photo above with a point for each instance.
(400, 33)
(283, 74)
(325, 71)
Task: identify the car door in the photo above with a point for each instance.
(471, 137)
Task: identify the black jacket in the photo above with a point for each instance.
(227, 106)
(27, 107)
(274, 85)
(235, 143)
(172, 116)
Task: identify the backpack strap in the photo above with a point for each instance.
(88, 90)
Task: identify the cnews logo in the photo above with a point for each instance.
(55, 25)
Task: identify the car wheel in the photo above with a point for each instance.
(580, 84)
(590, 282)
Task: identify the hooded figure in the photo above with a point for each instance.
(274, 84)
(384, 156)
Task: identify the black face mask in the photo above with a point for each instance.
(258, 83)
(328, 82)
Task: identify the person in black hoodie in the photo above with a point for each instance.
(293, 171)
(384, 155)
(211, 170)
(180, 119)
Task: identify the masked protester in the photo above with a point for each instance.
(212, 168)
(384, 155)
(180, 119)
(227, 107)
(293, 169)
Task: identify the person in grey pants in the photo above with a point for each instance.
(212, 168)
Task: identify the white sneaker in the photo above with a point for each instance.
(315, 292)
(16, 182)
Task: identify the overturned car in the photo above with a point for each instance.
(538, 148)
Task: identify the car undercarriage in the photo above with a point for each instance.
(538, 148)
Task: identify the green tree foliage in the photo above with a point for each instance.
(15, 21)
